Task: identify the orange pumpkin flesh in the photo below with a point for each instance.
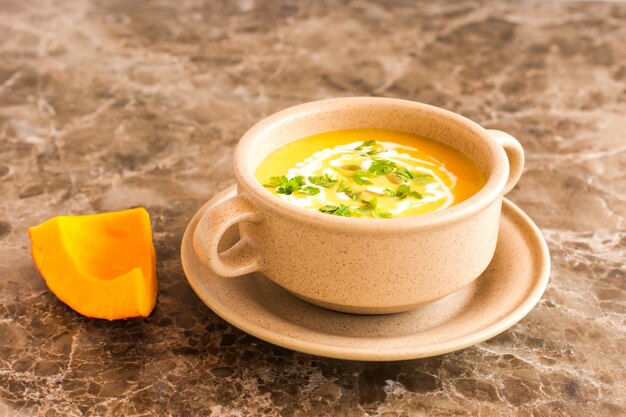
(101, 265)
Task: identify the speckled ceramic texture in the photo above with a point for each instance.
(367, 266)
(508, 289)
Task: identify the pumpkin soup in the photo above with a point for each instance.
(370, 173)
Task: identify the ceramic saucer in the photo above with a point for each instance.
(499, 298)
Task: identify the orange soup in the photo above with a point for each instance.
(370, 173)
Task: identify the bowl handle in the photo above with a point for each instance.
(241, 258)
(514, 152)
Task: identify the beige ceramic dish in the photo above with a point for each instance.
(368, 266)
(509, 288)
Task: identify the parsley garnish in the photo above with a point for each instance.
(286, 185)
(402, 192)
(360, 177)
(310, 190)
(421, 179)
(291, 185)
(344, 188)
(341, 210)
(326, 181)
(365, 145)
(381, 166)
(370, 207)
(276, 181)
(404, 174)
(373, 151)
(381, 214)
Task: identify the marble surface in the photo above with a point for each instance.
(106, 105)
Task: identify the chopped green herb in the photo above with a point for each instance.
(365, 144)
(286, 185)
(421, 179)
(402, 192)
(291, 185)
(375, 151)
(341, 210)
(326, 181)
(368, 206)
(404, 174)
(380, 214)
(276, 181)
(381, 166)
(310, 190)
(360, 177)
(344, 188)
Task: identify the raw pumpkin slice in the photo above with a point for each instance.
(101, 265)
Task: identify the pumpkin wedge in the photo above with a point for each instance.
(101, 265)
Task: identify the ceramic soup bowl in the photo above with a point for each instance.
(361, 265)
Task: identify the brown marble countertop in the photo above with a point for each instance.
(106, 105)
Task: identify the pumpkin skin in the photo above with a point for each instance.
(100, 265)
